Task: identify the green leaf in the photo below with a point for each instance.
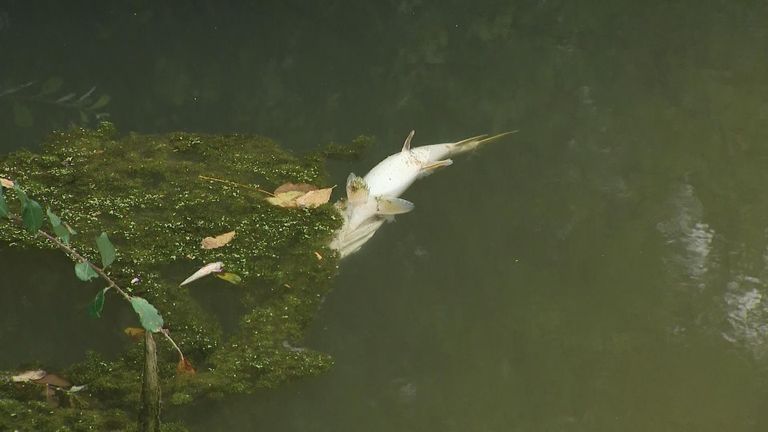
(3, 205)
(60, 230)
(97, 305)
(148, 315)
(85, 272)
(230, 277)
(106, 249)
(32, 216)
(62, 233)
(55, 220)
(21, 194)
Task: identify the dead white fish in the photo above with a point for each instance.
(374, 198)
(216, 267)
(392, 176)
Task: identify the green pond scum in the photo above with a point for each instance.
(157, 197)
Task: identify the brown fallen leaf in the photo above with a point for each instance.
(184, 367)
(29, 375)
(218, 241)
(53, 380)
(291, 187)
(285, 199)
(4, 182)
(135, 333)
(314, 198)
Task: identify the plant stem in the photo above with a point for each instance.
(81, 258)
(235, 184)
(149, 416)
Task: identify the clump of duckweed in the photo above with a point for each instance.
(157, 196)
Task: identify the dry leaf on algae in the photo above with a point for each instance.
(4, 182)
(314, 198)
(291, 187)
(135, 333)
(184, 367)
(30, 375)
(218, 241)
(285, 199)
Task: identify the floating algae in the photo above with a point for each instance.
(157, 197)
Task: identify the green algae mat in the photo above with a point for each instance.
(157, 197)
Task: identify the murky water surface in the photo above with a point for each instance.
(604, 269)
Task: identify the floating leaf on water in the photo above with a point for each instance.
(207, 269)
(101, 102)
(50, 85)
(4, 182)
(290, 187)
(314, 198)
(77, 388)
(22, 116)
(318, 256)
(230, 277)
(53, 380)
(32, 216)
(29, 375)
(135, 333)
(218, 241)
(85, 272)
(97, 305)
(285, 199)
(184, 367)
(106, 249)
(148, 315)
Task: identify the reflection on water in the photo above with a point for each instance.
(604, 270)
(688, 235)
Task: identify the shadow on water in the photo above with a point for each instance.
(43, 312)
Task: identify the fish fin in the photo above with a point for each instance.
(434, 166)
(469, 144)
(407, 144)
(393, 206)
(357, 189)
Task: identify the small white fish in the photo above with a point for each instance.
(215, 267)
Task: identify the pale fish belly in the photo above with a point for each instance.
(392, 176)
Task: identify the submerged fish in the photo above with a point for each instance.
(373, 199)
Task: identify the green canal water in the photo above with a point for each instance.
(604, 269)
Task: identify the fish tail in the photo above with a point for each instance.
(472, 143)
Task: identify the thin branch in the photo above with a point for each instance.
(168, 336)
(97, 269)
(235, 184)
(112, 284)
